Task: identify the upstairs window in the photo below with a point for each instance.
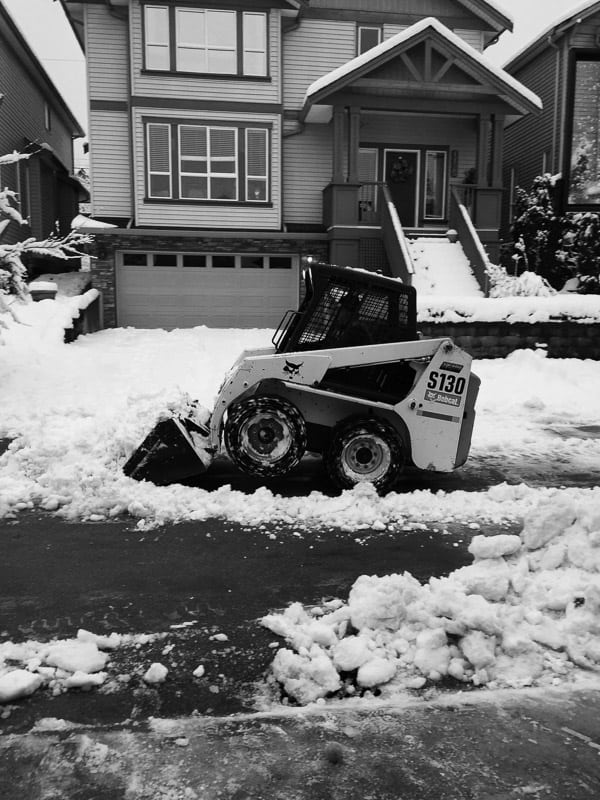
(368, 36)
(205, 41)
(214, 163)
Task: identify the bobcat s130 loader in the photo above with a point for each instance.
(347, 378)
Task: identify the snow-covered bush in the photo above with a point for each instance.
(527, 284)
(557, 248)
(13, 272)
(580, 250)
(535, 233)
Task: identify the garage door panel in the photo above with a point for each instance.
(172, 297)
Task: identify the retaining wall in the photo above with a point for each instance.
(564, 339)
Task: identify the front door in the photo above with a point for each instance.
(402, 177)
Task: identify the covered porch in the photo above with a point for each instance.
(417, 128)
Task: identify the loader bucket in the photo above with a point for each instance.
(168, 454)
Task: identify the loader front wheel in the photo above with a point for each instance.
(265, 436)
(365, 450)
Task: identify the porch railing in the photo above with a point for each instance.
(462, 222)
(394, 238)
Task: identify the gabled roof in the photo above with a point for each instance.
(472, 69)
(38, 74)
(551, 33)
(491, 13)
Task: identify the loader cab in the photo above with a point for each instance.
(347, 307)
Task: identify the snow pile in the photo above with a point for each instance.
(559, 307)
(75, 413)
(59, 665)
(525, 612)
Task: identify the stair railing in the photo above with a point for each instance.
(394, 240)
(474, 250)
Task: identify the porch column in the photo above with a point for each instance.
(485, 127)
(497, 150)
(339, 113)
(353, 144)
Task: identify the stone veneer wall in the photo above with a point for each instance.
(103, 266)
(497, 339)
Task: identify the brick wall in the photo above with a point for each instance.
(106, 245)
(498, 339)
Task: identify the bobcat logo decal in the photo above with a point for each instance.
(292, 369)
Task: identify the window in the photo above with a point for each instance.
(156, 31)
(47, 116)
(368, 37)
(159, 160)
(435, 184)
(205, 40)
(584, 167)
(207, 162)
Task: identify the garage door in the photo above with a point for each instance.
(181, 290)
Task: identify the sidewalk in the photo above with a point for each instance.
(526, 745)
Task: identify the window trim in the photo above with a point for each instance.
(240, 50)
(427, 152)
(575, 56)
(149, 172)
(359, 28)
(241, 161)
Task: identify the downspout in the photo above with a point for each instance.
(552, 43)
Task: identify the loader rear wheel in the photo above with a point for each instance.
(265, 435)
(365, 450)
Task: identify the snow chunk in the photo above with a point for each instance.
(156, 673)
(546, 523)
(376, 672)
(18, 683)
(75, 656)
(482, 547)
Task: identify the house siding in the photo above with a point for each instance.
(219, 216)
(307, 163)
(110, 164)
(311, 50)
(107, 51)
(527, 140)
(205, 88)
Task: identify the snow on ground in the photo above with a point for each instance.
(526, 612)
(442, 268)
(76, 412)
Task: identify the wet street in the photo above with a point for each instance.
(188, 582)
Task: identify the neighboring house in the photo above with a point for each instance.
(35, 119)
(562, 65)
(229, 140)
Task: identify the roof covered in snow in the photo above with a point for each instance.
(467, 59)
(550, 34)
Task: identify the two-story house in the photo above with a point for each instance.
(562, 65)
(35, 119)
(229, 140)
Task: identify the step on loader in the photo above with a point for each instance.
(347, 377)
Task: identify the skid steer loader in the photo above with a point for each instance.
(347, 378)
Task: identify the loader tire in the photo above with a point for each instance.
(265, 436)
(365, 450)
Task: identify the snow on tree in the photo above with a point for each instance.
(13, 272)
